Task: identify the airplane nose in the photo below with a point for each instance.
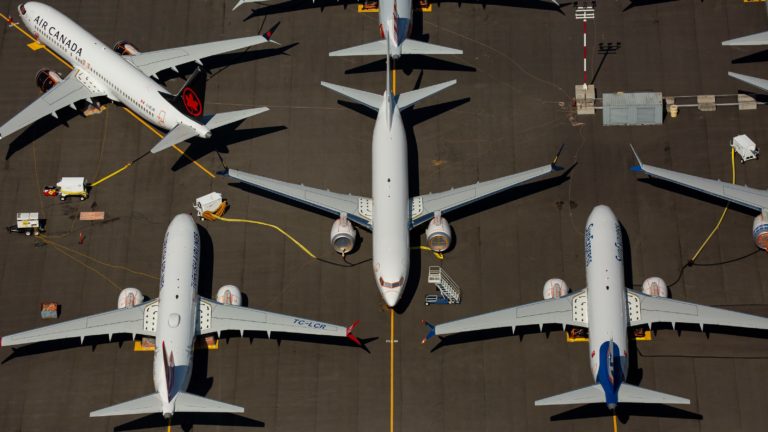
(391, 297)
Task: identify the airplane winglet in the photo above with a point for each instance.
(556, 167)
(270, 32)
(224, 172)
(431, 332)
(352, 337)
(639, 166)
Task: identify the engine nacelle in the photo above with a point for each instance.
(46, 79)
(439, 234)
(343, 235)
(555, 288)
(125, 48)
(230, 295)
(760, 231)
(655, 287)
(129, 297)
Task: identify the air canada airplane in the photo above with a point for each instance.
(390, 214)
(606, 307)
(755, 199)
(123, 75)
(175, 319)
(395, 23)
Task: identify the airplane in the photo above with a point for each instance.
(175, 319)
(124, 74)
(395, 25)
(606, 308)
(755, 199)
(394, 213)
(756, 39)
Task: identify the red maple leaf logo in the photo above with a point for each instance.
(191, 102)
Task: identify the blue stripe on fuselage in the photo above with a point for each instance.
(604, 371)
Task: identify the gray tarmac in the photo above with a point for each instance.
(510, 111)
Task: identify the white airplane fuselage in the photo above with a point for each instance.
(177, 311)
(99, 67)
(607, 301)
(391, 209)
(395, 23)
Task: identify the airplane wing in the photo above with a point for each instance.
(216, 318)
(749, 197)
(561, 311)
(661, 309)
(63, 94)
(130, 320)
(757, 82)
(152, 62)
(750, 40)
(424, 206)
(358, 209)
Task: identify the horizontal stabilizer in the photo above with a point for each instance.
(756, 39)
(586, 395)
(409, 46)
(223, 119)
(757, 82)
(407, 99)
(187, 402)
(148, 404)
(242, 2)
(632, 394)
(371, 100)
(177, 135)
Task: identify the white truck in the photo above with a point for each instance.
(27, 223)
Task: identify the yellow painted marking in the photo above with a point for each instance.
(615, 425)
(35, 45)
(429, 8)
(362, 9)
(394, 78)
(212, 216)
(391, 370)
(169, 425)
(754, 1)
(725, 210)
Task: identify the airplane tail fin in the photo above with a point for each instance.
(183, 402)
(191, 98)
(409, 46)
(634, 394)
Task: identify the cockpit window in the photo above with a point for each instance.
(22, 9)
(385, 284)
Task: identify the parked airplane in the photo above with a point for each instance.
(175, 319)
(122, 74)
(394, 213)
(606, 308)
(395, 23)
(756, 199)
(756, 39)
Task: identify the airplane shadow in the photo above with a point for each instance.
(188, 420)
(639, 3)
(756, 57)
(220, 141)
(305, 338)
(625, 411)
(298, 5)
(409, 63)
(39, 129)
(64, 344)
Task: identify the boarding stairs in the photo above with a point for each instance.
(450, 292)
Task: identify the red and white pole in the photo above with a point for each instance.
(585, 52)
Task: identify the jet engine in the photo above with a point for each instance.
(46, 79)
(760, 231)
(125, 48)
(129, 297)
(555, 288)
(439, 234)
(229, 294)
(655, 287)
(343, 235)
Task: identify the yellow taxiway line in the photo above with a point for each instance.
(391, 370)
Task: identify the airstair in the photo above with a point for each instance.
(450, 293)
